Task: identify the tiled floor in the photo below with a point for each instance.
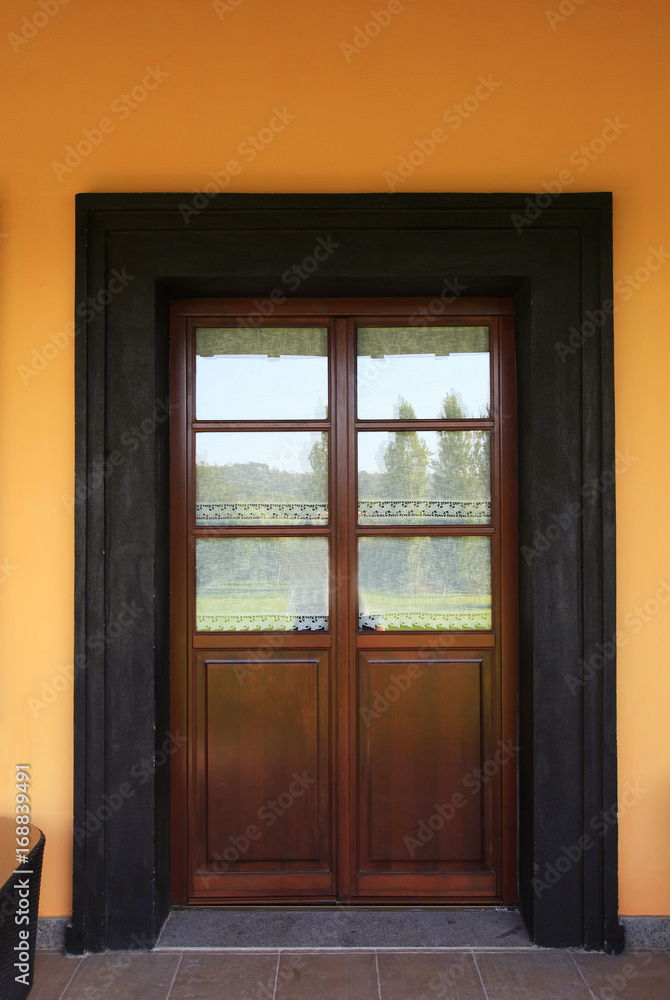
(532, 974)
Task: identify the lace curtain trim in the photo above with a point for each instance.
(471, 511)
(453, 621)
(408, 620)
(213, 513)
(446, 510)
(262, 623)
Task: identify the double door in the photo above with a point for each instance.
(343, 642)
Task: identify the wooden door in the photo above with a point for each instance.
(343, 601)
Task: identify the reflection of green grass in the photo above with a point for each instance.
(427, 602)
(262, 600)
(446, 605)
(251, 600)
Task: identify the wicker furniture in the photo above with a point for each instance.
(19, 904)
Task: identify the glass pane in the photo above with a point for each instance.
(259, 477)
(261, 584)
(424, 477)
(433, 372)
(411, 584)
(265, 374)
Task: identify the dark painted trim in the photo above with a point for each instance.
(557, 267)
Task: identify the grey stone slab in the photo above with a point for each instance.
(51, 933)
(646, 932)
(344, 928)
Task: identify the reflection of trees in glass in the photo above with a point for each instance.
(257, 482)
(452, 465)
(211, 482)
(318, 459)
(461, 471)
(407, 460)
(454, 577)
(461, 467)
(252, 576)
(458, 470)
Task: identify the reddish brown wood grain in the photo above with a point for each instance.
(421, 733)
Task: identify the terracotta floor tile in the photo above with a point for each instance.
(633, 976)
(531, 975)
(422, 975)
(53, 971)
(208, 976)
(128, 975)
(332, 976)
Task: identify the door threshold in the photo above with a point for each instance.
(357, 928)
(340, 907)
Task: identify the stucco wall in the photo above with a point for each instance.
(306, 96)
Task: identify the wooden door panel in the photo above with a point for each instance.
(262, 747)
(427, 728)
(262, 797)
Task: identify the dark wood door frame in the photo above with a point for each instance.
(555, 261)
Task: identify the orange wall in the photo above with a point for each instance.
(356, 112)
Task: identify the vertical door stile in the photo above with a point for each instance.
(189, 517)
(509, 630)
(495, 706)
(351, 705)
